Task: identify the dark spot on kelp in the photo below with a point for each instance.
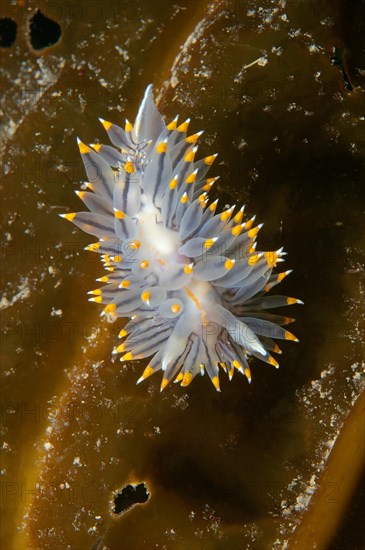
(96, 545)
(44, 32)
(339, 59)
(130, 495)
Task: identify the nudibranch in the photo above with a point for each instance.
(190, 279)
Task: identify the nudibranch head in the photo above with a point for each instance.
(190, 279)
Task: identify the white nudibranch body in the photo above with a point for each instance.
(190, 279)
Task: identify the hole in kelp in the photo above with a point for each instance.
(8, 29)
(44, 32)
(130, 495)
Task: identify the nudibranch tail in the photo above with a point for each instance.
(190, 279)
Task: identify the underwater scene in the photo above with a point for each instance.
(182, 365)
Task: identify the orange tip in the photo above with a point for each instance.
(127, 357)
(215, 381)
(105, 123)
(82, 147)
(68, 217)
(164, 383)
